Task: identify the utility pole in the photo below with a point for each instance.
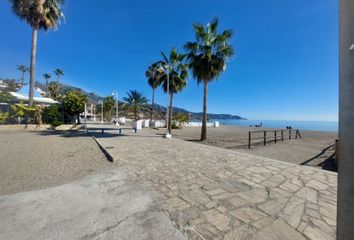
(345, 203)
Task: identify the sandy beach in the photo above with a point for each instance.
(166, 187)
(312, 149)
(53, 158)
(47, 159)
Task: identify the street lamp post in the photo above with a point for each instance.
(115, 94)
(345, 210)
(85, 117)
(167, 69)
(101, 102)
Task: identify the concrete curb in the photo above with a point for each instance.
(103, 149)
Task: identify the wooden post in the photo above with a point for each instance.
(298, 132)
(275, 136)
(282, 135)
(249, 139)
(265, 138)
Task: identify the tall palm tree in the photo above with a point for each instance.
(59, 74)
(39, 14)
(178, 74)
(135, 102)
(46, 76)
(154, 80)
(23, 69)
(207, 58)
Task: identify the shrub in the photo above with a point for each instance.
(182, 119)
(52, 113)
(57, 123)
(174, 125)
(20, 111)
(3, 117)
(74, 103)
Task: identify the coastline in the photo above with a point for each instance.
(326, 126)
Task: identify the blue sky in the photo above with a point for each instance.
(286, 66)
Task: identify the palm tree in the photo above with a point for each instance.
(39, 14)
(59, 74)
(178, 74)
(22, 68)
(207, 58)
(53, 90)
(135, 102)
(108, 106)
(47, 76)
(154, 80)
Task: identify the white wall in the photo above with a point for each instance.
(199, 124)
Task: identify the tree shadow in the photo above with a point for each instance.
(194, 140)
(326, 164)
(66, 134)
(329, 164)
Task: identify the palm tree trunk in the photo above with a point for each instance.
(205, 117)
(23, 79)
(46, 88)
(57, 90)
(32, 73)
(152, 104)
(170, 114)
(33, 65)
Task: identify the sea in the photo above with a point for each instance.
(330, 126)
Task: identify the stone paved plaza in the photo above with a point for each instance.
(213, 193)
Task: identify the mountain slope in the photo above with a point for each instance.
(95, 98)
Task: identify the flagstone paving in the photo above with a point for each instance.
(213, 193)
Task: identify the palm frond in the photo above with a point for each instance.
(40, 14)
(207, 57)
(178, 72)
(165, 58)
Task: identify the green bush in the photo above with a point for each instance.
(181, 118)
(74, 103)
(174, 125)
(57, 123)
(20, 111)
(3, 117)
(52, 113)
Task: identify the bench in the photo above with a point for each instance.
(112, 129)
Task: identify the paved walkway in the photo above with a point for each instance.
(213, 193)
(108, 206)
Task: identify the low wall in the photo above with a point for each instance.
(199, 124)
(158, 123)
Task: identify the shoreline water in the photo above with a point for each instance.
(323, 126)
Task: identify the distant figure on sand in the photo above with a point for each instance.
(260, 125)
